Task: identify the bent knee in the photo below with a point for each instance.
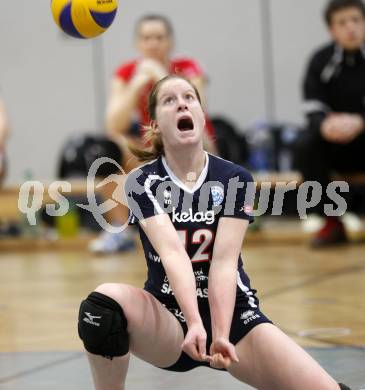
(102, 326)
(117, 291)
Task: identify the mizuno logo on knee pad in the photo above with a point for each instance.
(90, 319)
(103, 326)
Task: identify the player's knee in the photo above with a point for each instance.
(102, 326)
(119, 292)
(109, 289)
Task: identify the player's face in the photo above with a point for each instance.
(153, 40)
(179, 115)
(348, 28)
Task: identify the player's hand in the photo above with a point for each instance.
(353, 125)
(342, 128)
(222, 353)
(195, 342)
(332, 128)
(151, 69)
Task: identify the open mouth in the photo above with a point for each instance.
(185, 124)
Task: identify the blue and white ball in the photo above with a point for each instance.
(84, 18)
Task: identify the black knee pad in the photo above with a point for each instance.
(103, 326)
(343, 387)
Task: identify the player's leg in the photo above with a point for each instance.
(108, 374)
(150, 332)
(271, 360)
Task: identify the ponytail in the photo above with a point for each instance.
(154, 146)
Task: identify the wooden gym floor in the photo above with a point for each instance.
(316, 297)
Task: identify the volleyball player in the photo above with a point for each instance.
(197, 307)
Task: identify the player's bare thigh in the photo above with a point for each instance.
(155, 334)
(270, 360)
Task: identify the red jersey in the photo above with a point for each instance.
(182, 66)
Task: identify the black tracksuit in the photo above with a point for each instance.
(334, 82)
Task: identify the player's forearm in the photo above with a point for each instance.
(222, 295)
(182, 280)
(118, 122)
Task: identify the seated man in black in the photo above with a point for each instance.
(334, 94)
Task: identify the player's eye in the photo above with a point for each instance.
(341, 22)
(168, 100)
(189, 96)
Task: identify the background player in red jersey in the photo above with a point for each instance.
(117, 319)
(134, 80)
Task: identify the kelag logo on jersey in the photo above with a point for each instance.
(217, 195)
(200, 216)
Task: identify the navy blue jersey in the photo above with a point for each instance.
(223, 189)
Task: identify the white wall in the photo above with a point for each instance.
(47, 84)
(297, 30)
(48, 81)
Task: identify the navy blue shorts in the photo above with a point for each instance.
(244, 319)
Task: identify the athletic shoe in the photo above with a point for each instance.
(332, 233)
(313, 223)
(352, 223)
(108, 243)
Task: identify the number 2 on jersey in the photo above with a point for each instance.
(204, 237)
